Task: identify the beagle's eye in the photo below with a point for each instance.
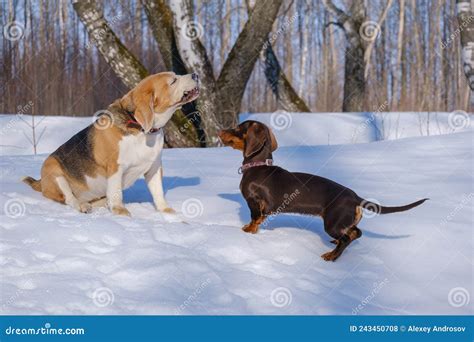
(173, 81)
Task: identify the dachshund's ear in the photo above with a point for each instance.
(273, 139)
(254, 140)
(140, 102)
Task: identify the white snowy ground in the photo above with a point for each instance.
(57, 261)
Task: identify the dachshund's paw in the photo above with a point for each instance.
(119, 210)
(249, 228)
(330, 256)
(334, 241)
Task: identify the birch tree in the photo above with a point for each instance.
(126, 66)
(466, 27)
(284, 92)
(220, 100)
(360, 35)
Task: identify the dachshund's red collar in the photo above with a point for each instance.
(267, 162)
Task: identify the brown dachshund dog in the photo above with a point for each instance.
(270, 190)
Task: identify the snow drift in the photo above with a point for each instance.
(57, 261)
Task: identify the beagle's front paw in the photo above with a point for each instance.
(168, 210)
(85, 208)
(118, 210)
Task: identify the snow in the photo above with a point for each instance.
(307, 129)
(350, 128)
(55, 260)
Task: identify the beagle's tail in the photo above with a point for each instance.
(35, 184)
(379, 209)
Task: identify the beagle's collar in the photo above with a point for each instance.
(267, 162)
(133, 122)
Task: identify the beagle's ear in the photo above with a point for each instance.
(254, 140)
(141, 103)
(273, 139)
(144, 109)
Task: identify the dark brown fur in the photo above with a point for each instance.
(267, 188)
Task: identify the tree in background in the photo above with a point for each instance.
(179, 42)
(466, 28)
(360, 35)
(415, 64)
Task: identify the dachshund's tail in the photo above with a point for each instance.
(379, 209)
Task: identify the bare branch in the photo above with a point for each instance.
(127, 67)
(336, 11)
(40, 136)
(281, 87)
(241, 60)
(370, 46)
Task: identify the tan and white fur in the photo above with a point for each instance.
(95, 165)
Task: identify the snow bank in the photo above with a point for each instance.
(295, 129)
(54, 260)
(291, 129)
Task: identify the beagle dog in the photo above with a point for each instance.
(125, 142)
(270, 190)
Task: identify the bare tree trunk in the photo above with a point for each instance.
(126, 66)
(187, 32)
(398, 63)
(303, 22)
(371, 41)
(241, 60)
(354, 98)
(160, 18)
(284, 92)
(360, 34)
(286, 96)
(466, 26)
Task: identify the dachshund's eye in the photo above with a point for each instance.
(173, 81)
